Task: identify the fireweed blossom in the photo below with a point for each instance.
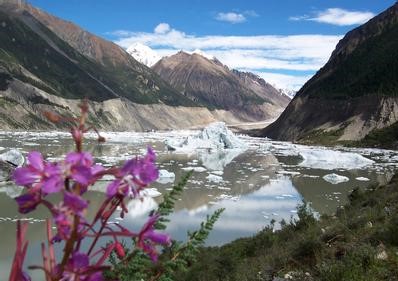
(148, 238)
(134, 176)
(72, 177)
(39, 173)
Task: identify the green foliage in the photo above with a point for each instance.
(322, 137)
(174, 259)
(345, 246)
(65, 72)
(167, 206)
(371, 69)
(386, 138)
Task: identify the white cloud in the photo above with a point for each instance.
(259, 54)
(337, 16)
(286, 81)
(162, 28)
(231, 17)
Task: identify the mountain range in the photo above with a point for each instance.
(207, 82)
(354, 97)
(47, 63)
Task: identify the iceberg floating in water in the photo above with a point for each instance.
(150, 192)
(335, 178)
(166, 177)
(142, 206)
(11, 190)
(362, 179)
(13, 156)
(214, 178)
(326, 159)
(215, 136)
(216, 146)
(217, 160)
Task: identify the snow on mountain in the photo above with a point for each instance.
(143, 54)
(288, 92)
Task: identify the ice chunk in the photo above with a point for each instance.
(166, 177)
(326, 159)
(362, 179)
(214, 178)
(151, 192)
(140, 207)
(12, 191)
(215, 136)
(292, 173)
(13, 156)
(335, 178)
(217, 160)
(195, 169)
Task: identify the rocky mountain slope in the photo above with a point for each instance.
(47, 63)
(354, 94)
(211, 84)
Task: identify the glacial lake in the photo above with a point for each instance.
(263, 183)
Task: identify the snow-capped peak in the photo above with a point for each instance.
(143, 54)
(203, 54)
(288, 92)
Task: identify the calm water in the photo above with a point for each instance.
(265, 182)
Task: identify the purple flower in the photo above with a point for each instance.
(75, 203)
(63, 223)
(28, 201)
(148, 238)
(25, 276)
(144, 169)
(78, 269)
(39, 173)
(134, 175)
(72, 205)
(80, 165)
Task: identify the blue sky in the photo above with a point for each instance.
(284, 41)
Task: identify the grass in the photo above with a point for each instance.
(322, 137)
(358, 243)
(67, 73)
(371, 69)
(386, 138)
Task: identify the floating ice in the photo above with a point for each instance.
(326, 159)
(13, 156)
(12, 191)
(292, 173)
(335, 178)
(217, 160)
(195, 169)
(166, 177)
(150, 192)
(215, 136)
(214, 178)
(362, 179)
(140, 207)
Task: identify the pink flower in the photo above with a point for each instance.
(80, 165)
(78, 269)
(148, 238)
(64, 215)
(40, 174)
(28, 201)
(134, 175)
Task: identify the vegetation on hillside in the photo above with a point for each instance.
(359, 242)
(371, 69)
(63, 71)
(386, 138)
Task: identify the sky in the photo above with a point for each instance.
(283, 41)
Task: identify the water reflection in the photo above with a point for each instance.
(265, 182)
